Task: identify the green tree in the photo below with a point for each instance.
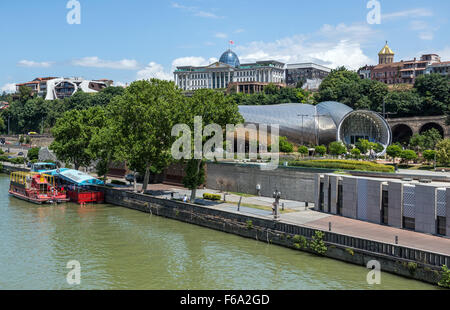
(429, 155)
(434, 89)
(210, 107)
(143, 118)
(408, 155)
(321, 150)
(363, 145)
(443, 152)
(394, 151)
(337, 148)
(73, 133)
(285, 145)
(356, 153)
(33, 154)
(303, 150)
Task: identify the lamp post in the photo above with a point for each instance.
(276, 204)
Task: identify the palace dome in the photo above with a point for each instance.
(230, 58)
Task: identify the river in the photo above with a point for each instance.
(119, 248)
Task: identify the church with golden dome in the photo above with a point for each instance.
(386, 55)
(403, 72)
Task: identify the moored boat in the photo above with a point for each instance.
(36, 188)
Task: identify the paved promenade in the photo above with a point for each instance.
(297, 213)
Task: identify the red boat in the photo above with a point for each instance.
(36, 188)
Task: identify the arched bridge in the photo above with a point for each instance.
(404, 128)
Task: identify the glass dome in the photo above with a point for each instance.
(230, 58)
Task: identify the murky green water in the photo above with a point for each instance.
(124, 249)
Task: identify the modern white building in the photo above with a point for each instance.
(61, 88)
(228, 70)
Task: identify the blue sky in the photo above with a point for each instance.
(135, 39)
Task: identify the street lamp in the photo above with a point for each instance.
(276, 204)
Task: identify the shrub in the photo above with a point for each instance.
(317, 244)
(303, 150)
(443, 152)
(249, 225)
(408, 155)
(356, 153)
(445, 277)
(300, 242)
(343, 165)
(412, 267)
(363, 145)
(321, 150)
(337, 148)
(285, 145)
(213, 197)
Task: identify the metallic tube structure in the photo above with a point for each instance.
(321, 124)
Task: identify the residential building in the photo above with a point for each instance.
(310, 74)
(365, 72)
(61, 88)
(229, 72)
(404, 72)
(442, 68)
(38, 85)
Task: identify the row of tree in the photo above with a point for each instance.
(28, 112)
(136, 127)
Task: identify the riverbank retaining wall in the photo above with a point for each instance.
(294, 183)
(407, 262)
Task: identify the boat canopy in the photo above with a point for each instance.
(76, 177)
(41, 167)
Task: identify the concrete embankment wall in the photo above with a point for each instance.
(294, 183)
(408, 262)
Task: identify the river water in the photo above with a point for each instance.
(119, 248)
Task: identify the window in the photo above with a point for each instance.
(339, 200)
(441, 225)
(409, 223)
(321, 197)
(329, 197)
(385, 207)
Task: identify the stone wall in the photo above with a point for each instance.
(294, 183)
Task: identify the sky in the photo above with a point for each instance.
(140, 39)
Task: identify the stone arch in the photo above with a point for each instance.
(401, 133)
(429, 126)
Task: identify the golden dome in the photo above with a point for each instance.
(386, 50)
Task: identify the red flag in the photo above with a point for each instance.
(231, 42)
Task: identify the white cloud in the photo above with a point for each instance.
(195, 11)
(154, 70)
(221, 35)
(332, 46)
(95, 62)
(426, 35)
(34, 64)
(419, 12)
(8, 88)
